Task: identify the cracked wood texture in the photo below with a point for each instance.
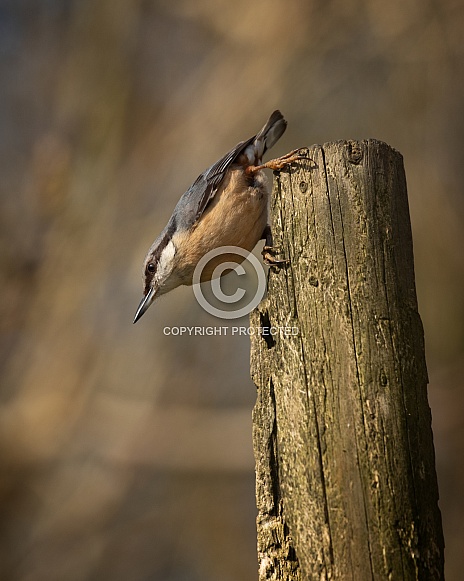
(346, 485)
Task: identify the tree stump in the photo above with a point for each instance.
(346, 485)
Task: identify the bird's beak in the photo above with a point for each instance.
(145, 303)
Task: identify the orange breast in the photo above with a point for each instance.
(237, 216)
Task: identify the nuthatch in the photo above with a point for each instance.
(227, 205)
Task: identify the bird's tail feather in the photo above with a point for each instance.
(269, 134)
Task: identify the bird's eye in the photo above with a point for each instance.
(151, 267)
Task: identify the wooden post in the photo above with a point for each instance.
(346, 484)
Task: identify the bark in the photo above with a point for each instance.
(346, 483)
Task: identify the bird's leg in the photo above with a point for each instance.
(269, 250)
(280, 162)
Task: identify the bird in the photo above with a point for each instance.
(227, 205)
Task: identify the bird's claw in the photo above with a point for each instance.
(287, 159)
(269, 258)
(280, 162)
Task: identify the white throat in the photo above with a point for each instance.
(166, 263)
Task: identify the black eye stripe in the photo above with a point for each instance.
(151, 267)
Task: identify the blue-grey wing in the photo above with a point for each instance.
(194, 202)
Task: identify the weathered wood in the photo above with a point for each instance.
(346, 482)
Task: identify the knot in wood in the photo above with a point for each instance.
(354, 152)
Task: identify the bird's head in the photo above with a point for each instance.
(159, 273)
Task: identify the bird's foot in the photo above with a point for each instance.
(280, 162)
(268, 253)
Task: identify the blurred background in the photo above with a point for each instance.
(125, 453)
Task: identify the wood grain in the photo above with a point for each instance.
(346, 482)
